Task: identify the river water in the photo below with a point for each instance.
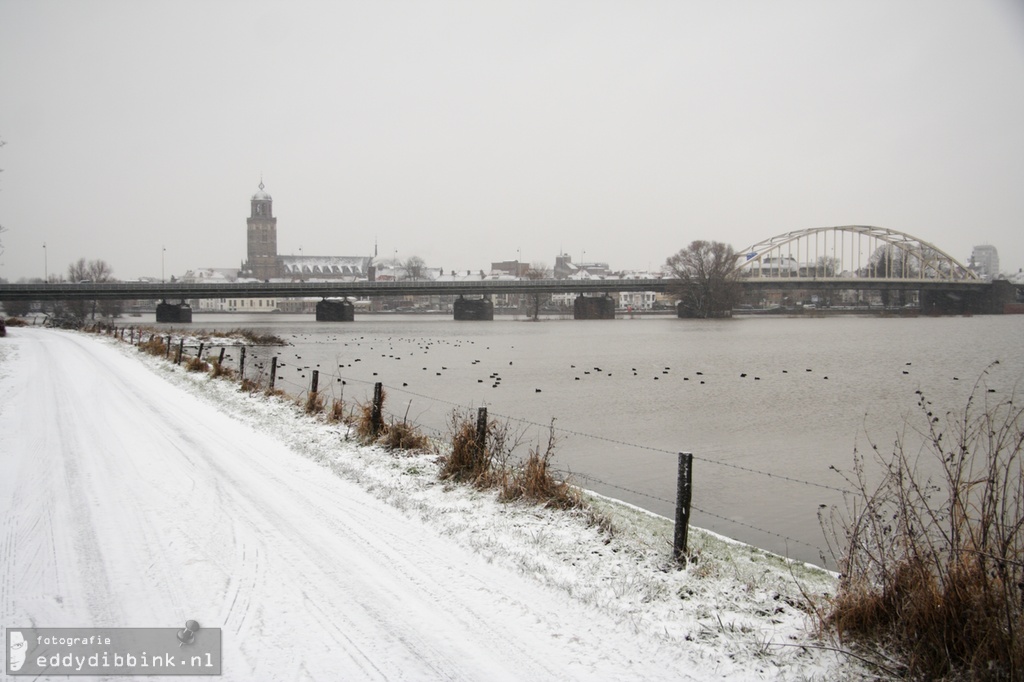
(749, 397)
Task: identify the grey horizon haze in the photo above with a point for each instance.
(472, 132)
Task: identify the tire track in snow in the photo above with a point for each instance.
(353, 575)
(36, 576)
(309, 575)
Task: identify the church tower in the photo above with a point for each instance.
(262, 237)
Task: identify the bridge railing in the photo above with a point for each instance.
(177, 290)
(362, 289)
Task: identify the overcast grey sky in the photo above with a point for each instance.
(469, 132)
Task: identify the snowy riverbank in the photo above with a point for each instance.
(142, 495)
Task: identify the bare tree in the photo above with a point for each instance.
(415, 268)
(707, 281)
(890, 261)
(826, 266)
(536, 300)
(79, 271)
(94, 271)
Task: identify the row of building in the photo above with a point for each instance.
(264, 263)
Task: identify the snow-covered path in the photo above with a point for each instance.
(128, 502)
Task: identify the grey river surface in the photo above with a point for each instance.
(786, 396)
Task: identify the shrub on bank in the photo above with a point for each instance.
(256, 338)
(468, 460)
(489, 462)
(532, 481)
(933, 566)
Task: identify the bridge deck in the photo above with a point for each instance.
(363, 289)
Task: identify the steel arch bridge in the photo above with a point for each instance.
(850, 252)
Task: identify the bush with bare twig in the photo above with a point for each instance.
(532, 481)
(471, 458)
(932, 564)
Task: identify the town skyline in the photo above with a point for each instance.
(609, 132)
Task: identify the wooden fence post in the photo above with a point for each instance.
(316, 381)
(181, 349)
(481, 430)
(220, 360)
(199, 355)
(241, 365)
(273, 372)
(684, 491)
(167, 355)
(376, 413)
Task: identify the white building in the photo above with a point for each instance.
(985, 261)
(225, 305)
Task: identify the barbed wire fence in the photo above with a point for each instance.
(334, 383)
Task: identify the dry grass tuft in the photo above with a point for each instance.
(369, 427)
(257, 338)
(469, 460)
(369, 424)
(532, 481)
(314, 403)
(196, 364)
(933, 566)
(485, 460)
(250, 386)
(219, 370)
(154, 346)
(403, 436)
(336, 414)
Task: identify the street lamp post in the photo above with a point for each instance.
(163, 250)
(46, 267)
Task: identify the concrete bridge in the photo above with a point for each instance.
(593, 296)
(822, 260)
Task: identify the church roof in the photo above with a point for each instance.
(352, 266)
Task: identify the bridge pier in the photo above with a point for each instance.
(335, 311)
(997, 298)
(593, 308)
(173, 312)
(989, 301)
(473, 308)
